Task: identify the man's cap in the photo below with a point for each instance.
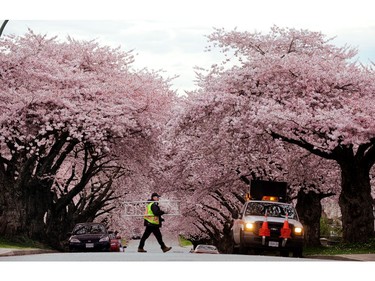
(155, 194)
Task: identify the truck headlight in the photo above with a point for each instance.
(249, 226)
(298, 230)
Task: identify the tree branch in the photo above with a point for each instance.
(302, 143)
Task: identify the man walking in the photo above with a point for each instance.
(152, 221)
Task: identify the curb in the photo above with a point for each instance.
(332, 258)
(16, 252)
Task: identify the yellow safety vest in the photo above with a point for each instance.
(149, 215)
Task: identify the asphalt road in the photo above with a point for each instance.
(154, 253)
(174, 265)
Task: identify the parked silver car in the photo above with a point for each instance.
(205, 249)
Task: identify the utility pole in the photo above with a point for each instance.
(3, 26)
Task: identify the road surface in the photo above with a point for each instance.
(154, 253)
(177, 264)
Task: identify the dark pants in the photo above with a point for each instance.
(156, 231)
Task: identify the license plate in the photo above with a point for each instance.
(89, 245)
(273, 244)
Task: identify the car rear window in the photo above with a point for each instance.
(89, 229)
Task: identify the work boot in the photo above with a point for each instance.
(166, 249)
(140, 250)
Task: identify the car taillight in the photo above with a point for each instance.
(104, 239)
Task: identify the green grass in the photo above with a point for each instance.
(184, 242)
(342, 249)
(20, 242)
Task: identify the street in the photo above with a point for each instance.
(154, 253)
(172, 265)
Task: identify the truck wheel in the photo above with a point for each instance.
(233, 248)
(284, 253)
(242, 250)
(257, 252)
(297, 253)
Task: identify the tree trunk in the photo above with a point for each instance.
(38, 201)
(356, 202)
(11, 211)
(225, 244)
(309, 209)
(23, 208)
(59, 225)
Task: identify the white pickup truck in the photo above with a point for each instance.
(268, 225)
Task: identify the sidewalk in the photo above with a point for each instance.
(4, 252)
(352, 257)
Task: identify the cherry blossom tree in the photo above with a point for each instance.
(212, 152)
(304, 90)
(74, 117)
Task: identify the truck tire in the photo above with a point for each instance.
(235, 250)
(297, 253)
(234, 246)
(284, 253)
(242, 249)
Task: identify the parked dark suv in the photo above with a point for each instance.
(87, 237)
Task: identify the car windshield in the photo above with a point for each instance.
(272, 210)
(89, 229)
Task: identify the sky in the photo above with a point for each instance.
(171, 35)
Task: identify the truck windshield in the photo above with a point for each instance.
(272, 209)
